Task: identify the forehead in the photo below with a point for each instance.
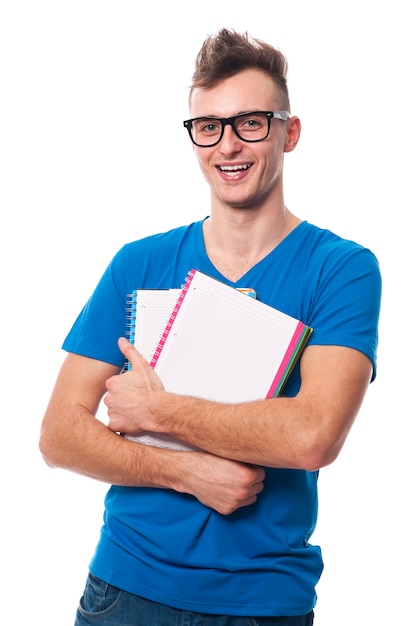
(250, 90)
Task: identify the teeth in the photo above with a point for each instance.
(233, 168)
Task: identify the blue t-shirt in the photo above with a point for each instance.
(167, 546)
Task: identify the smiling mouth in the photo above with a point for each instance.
(233, 170)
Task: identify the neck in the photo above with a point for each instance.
(237, 239)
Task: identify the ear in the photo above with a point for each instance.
(293, 133)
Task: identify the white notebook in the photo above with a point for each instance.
(211, 341)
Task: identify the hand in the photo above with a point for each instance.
(129, 396)
(220, 483)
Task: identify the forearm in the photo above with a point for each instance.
(72, 438)
(81, 443)
(95, 451)
(274, 433)
(303, 432)
(266, 432)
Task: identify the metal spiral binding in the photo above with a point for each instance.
(131, 306)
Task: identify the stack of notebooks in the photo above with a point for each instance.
(212, 341)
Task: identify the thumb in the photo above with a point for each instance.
(130, 353)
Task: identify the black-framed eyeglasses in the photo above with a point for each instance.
(206, 132)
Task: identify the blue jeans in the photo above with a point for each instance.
(104, 605)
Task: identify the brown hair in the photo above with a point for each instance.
(227, 53)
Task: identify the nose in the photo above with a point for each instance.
(230, 142)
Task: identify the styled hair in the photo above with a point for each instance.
(227, 53)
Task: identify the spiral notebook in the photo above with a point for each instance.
(211, 341)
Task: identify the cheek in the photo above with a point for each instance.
(203, 161)
(276, 159)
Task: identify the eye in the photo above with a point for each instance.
(251, 122)
(207, 126)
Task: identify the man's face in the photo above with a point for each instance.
(257, 167)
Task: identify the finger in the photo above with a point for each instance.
(129, 351)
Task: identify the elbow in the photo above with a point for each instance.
(48, 461)
(45, 452)
(315, 460)
(318, 452)
(318, 441)
(48, 450)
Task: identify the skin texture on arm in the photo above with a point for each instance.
(304, 432)
(73, 438)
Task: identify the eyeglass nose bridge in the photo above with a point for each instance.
(228, 121)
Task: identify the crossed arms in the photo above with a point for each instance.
(236, 441)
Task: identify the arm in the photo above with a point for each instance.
(72, 438)
(304, 432)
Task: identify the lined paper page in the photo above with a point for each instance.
(153, 310)
(222, 345)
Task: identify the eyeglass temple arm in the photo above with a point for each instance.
(282, 115)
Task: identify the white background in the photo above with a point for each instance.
(93, 154)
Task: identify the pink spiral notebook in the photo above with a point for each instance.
(216, 343)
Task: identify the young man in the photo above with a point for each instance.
(219, 536)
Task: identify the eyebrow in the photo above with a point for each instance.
(219, 117)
